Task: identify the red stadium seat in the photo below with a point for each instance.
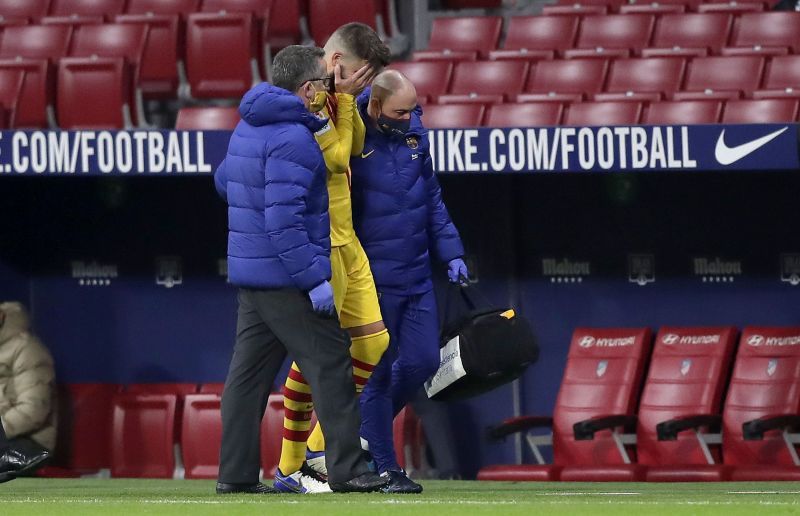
(107, 8)
(652, 8)
(763, 111)
(471, 35)
(430, 78)
(287, 25)
(93, 93)
(178, 389)
(143, 435)
(688, 374)
(110, 40)
(630, 77)
(208, 118)
(527, 114)
(220, 54)
(212, 388)
(782, 78)
(72, 21)
(689, 34)
(201, 435)
(85, 425)
(728, 77)
(764, 385)
(12, 22)
(325, 16)
(158, 73)
(683, 112)
(35, 42)
(537, 37)
(261, 10)
(603, 113)
(601, 383)
(564, 80)
(599, 35)
(32, 9)
(271, 432)
(168, 7)
(10, 92)
(575, 9)
(409, 440)
(453, 115)
(777, 30)
(732, 7)
(486, 82)
(35, 108)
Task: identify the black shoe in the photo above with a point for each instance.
(365, 483)
(15, 462)
(258, 488)
(399, 483)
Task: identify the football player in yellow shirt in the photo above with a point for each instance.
(354, 54)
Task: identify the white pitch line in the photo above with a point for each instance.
(763, 492)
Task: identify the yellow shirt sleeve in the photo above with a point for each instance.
(359, 133)
(337, 144)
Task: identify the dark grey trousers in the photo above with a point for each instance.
(270, 323)
(3, 438)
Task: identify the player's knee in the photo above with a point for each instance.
(370, 348)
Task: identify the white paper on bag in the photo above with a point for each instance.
(450, 367)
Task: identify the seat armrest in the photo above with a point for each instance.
(669, 430)
(519, 424)
(585, 430)
(754, 430)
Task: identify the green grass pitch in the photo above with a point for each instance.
(52, 497)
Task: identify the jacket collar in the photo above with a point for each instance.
(266, 104)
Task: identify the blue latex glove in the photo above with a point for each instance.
(322, 298)
(456, 269)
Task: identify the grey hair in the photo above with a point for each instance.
(296, 64)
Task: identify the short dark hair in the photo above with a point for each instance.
(295, 65)
(363, 43)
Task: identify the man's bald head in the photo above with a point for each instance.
(393, 96)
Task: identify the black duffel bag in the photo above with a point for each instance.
(481, 348)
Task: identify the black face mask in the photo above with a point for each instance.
(393, 128)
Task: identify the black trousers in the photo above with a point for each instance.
(270, 323)
(3, 438)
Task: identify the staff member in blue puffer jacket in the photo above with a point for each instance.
(401, 220)
(274, 181)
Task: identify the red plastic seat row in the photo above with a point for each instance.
(543, 37)
(570, 7)
(535, 114)
(606, 428)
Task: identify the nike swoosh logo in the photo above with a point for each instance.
(365, 156)
(727, 155)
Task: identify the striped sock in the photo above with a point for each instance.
(298, 406)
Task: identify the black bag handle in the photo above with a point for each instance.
(468, 294)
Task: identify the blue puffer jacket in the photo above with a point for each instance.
(398, 211)
(273, 179)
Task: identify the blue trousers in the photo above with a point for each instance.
(412, 357)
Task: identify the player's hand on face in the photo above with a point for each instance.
(354, 84)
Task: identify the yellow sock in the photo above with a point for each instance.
(298, 406)
(366, 352)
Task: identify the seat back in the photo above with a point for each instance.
(693, 31)
(526, 114)
(584, 76)
(764, 111)
(489, 78)
(181, 7)
(10, 92)
(739, 73)
(430, 78)
(143, 435)
(469, 33)
(110, 40)
(158, 71)
(201, 435)
(541, 33)
(765, 382)
(37, 91)
(325, 16)
(271, 433)
(284, 27)
(212, 388)
(220, 53)
(33, 9)
(107, 8)
(615, 31)
(439, 116)
(85, 426)
(773, 29)
(92, 93)
(661, 75)
(35, 41)
(603, 113)
(683, 112)
(688, 374)
(603, 376)
(782, 72)
(208, 118)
